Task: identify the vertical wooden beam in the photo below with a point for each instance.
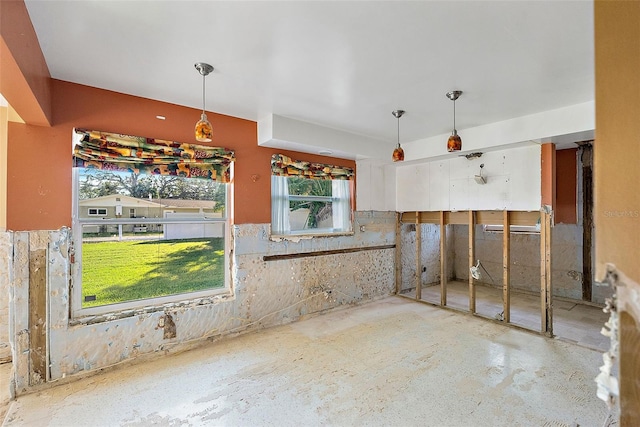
(37, 315)
(506, 267)
(546, 313)
(398, 252)
(549, 283)
(543, 272)
(587, 222)
(472, 260)
(418, 257)
(443, 260)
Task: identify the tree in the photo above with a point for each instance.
(311, 187)
(141, 186)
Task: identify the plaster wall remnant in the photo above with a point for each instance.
(263, 294)
(6, 256)
(7, 390)
(430, 254)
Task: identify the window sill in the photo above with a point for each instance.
(107, 313)
(296, 237)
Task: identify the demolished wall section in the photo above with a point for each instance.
(6, 256)
(429, 254)
(264, 294)
(566, 260)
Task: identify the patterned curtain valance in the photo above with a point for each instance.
(125, 153)
(285, 166)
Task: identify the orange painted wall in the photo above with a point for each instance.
(616, 151)
(24, 78)
(39, 169)
(548, 178)
(566, 186)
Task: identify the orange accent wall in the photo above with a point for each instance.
(566, 186)
(39, 158)
(616, 151)
(25, 81)
(548, 178)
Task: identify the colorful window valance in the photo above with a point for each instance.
(284, 166)
(125, 153)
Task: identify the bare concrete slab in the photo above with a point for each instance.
(390, 362)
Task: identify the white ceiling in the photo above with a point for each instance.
(343, 65)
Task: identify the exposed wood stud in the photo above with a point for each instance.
(506, 267)
(543, 273)
(418, 257)
(549, 283)
(443, 259)
(587, 223)
(546, 313)
(38, 315)
(472, 259)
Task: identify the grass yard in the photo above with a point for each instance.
(137, 269)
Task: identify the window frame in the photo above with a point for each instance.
(97, 211)
(76, 309)
(315, 232)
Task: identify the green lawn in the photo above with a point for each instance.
(136, 269)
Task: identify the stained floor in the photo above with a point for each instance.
(393, 362)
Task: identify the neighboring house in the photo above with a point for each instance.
(117, 206)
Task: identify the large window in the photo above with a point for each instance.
(157, 238)
(307, 198)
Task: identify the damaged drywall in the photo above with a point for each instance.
(263, 294)
(6, 256)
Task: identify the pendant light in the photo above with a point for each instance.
(454, 143)
(204, 130)
(398, 153)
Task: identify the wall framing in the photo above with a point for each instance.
(506, 219)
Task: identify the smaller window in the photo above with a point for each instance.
(310, 198)
(310, 206)
(97, 211)
(132, 213)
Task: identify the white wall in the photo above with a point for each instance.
(513, 182)
(375, 185)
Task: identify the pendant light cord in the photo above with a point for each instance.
(454, 117)
(203, 92)
(398, 130)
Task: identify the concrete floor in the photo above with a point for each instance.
(390, 362)
(572, 321)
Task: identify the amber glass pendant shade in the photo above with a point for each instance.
(454, 143)
(398, 154)
(204, 130)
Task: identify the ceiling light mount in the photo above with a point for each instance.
(454, 94)
(203, 68)
(203, 130)
(398, 153)
(455, 142)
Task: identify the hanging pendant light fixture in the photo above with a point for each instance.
(398, 153)
(204, 130)
(454, 143)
